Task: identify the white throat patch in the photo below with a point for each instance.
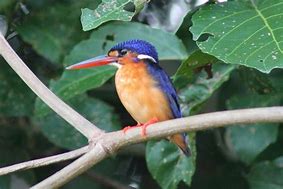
(116, 64)
(144, 56)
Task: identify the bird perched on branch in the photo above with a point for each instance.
(142, 85)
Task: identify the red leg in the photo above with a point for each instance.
(145, 125)
(125, 129)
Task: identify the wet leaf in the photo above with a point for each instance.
(242, 32)
(109, 10)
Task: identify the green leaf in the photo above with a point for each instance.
(6, 4)
(185, 72)
(109, 10)
(108, 169)
(196, 93)
(242, 32)
(16, 99)
(248, 141)
(267, 174)
(5, 182)
(53, 31)
(168, 165)
(59, 132)
(73, 83)
(170, 49)
(14, 140)
(185, 35)
(76, 82)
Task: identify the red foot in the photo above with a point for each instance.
(143, 126)
(125, 129)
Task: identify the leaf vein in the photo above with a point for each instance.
(245, 41)
(266, 23)
(221, 38)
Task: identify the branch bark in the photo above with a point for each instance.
(44, 161)
(110, 143)
(66, 112)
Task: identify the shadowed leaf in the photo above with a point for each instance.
(52, 32)
(267, 174)
(197, 92)
(248, 141)
(62, 134)
(16, 99)
(168, 165)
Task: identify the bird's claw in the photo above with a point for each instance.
(143, 126)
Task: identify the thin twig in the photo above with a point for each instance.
(66, 112)
(44, 161)
(111, 142)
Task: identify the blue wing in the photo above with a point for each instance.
(167, 87)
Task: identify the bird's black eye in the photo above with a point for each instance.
(123, 52)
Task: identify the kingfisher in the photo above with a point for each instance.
(143, 87)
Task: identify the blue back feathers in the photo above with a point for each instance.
(138, 46)
(166, 86)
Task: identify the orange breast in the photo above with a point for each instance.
(140, 94)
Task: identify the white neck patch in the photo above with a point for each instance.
(144, 56)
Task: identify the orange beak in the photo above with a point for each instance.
(97, 61)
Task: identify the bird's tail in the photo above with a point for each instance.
(181, 141)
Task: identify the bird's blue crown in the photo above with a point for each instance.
(137, 46)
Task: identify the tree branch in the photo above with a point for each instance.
(44, 161)
(109, 143)
(66, 112)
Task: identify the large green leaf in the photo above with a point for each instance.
(168, 165)
(76, 82)
(170, 49)
(246, 32)
(109, 10)
(53, 31)
(267, 175)
(62, 134)
(248, 141)
(194, 94)
(16, 99)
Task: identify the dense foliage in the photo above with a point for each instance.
(222, 56)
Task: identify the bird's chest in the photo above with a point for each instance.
(140, 95)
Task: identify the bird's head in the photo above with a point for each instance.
(127, 52)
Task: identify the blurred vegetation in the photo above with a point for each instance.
(220, 56)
